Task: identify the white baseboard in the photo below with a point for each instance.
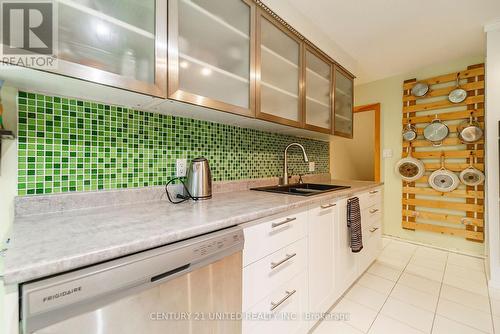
(432, 246)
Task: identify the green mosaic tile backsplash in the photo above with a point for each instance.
(74, 145)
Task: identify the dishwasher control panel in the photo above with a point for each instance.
(213, 246)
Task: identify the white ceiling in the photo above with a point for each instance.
(389, 37)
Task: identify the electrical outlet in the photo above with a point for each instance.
(312, 166)
(181, 166)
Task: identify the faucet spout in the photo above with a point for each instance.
(285, 161)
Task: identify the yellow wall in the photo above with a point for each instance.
(389, 93)
(355, 155)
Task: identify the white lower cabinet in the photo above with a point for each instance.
(346, 266)
(275, 274)
(321, 260)
(297, 264)
(371, 221)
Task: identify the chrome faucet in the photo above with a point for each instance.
(284, 180)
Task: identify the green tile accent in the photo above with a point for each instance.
(73, 145)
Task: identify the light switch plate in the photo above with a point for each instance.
(180, 167)
(312, 166)
(387, 153)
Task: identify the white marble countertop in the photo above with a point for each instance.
(42, 245)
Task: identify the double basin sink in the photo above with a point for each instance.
(302, 189)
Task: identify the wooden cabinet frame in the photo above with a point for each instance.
(304, 100)
(261, 14)
(348, 75)
(173, 67)
(159, 88)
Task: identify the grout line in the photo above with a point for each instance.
(472, 307)
(402, 271)
(465, 325)
(439, 294)
(339, 299)
(491, 309)
(451, 301)
(390, 292)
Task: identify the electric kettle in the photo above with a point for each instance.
(199, 179)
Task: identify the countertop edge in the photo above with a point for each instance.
(28, 273)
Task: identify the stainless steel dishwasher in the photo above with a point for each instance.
(192, 286)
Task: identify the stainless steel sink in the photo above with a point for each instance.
(302, 189)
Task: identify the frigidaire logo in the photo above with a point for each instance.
(62, 294)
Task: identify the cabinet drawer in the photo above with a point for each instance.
(262, 277)
(371, 230)
(370, 198)
(376, 240)
(372, 245)
(288, 303)
(371, 215)
(272, 234)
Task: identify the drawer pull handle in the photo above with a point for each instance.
(279, 263)
(286, 221)
(373, 210)
(326, 206)
(281, 301)
(373, 192)
(373, 229)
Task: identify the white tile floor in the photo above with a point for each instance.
(415, 289)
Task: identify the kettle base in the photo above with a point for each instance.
(201, 198)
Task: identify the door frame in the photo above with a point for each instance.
(376, 151)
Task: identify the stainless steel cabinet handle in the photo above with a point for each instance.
(373, 210)
(279, 263)
(286, 221)
(373, 192)
(373, 229)
(281, 301)
(326, 206)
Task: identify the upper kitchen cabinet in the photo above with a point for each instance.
(318, 92)
(120, 43)
(343, 103)
(211, 54)
(278, 69)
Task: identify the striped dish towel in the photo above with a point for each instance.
(354, 224)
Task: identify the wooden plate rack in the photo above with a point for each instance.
(460, 212)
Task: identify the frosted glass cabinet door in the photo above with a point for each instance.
(343, 104)
(211, 54)
(120, 43)
(318, 87)
(279, 69)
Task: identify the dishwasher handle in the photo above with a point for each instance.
(169, 273)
